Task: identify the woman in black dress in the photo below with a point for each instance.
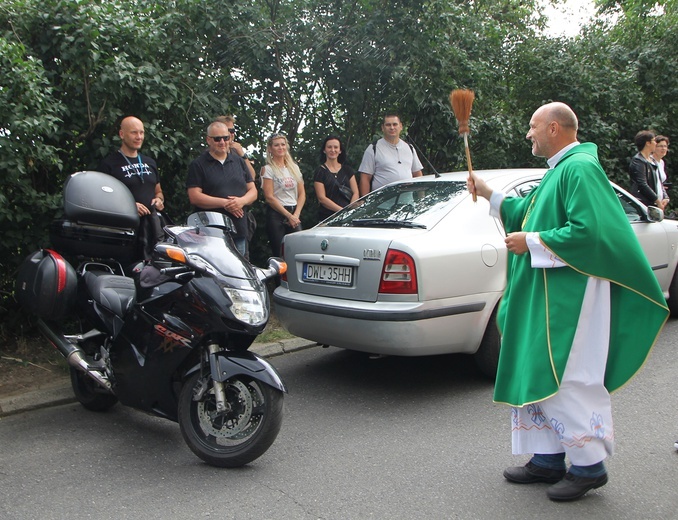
(334, 181)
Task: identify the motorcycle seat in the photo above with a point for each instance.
(114, 292)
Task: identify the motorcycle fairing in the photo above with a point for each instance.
(226, 364)
(216, 249)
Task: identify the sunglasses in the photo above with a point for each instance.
(219, 138)
(231, 130)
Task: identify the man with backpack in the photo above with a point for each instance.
(388, 159)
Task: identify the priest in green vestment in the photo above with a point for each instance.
(580, 312)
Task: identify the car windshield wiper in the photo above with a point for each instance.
(384, 222)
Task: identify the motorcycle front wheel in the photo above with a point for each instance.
(237, 436)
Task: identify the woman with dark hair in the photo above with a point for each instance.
(334, 181)
(645, 183)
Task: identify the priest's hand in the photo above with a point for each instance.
(478, 186)
(517, 242)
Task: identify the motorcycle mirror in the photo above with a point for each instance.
(169, 252)
(278, 264)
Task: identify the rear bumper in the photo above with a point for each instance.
(394, 328)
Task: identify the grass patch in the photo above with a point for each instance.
(274, 331)
(273, 335)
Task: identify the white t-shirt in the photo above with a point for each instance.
(661, 170)
(390, 163)
(284, 186)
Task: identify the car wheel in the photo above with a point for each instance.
(672, 300)
(487, 355)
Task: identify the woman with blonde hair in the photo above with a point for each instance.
(283, 187)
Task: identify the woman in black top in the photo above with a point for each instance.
(334, 182)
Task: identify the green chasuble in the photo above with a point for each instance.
(580, 219)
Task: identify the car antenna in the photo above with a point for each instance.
(411, 141)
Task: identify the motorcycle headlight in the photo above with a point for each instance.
(247, 306)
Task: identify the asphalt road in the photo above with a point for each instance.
(389, 438)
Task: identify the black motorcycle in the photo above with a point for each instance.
(172, 339)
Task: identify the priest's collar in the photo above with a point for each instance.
(557, 157)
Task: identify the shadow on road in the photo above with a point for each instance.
(346, 371)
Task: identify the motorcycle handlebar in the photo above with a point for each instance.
(173, 271)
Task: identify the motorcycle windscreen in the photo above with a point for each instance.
(215, 247)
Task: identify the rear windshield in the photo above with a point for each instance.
(408, 204)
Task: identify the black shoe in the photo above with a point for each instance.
(531, 473)
(573, 487)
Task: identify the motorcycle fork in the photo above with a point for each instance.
(218, 386)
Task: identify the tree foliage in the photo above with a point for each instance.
(72, 68)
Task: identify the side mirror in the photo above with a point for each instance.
(654, 214)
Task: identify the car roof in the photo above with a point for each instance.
(488, 175)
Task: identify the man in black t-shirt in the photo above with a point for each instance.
(140, 174)
(219, 180)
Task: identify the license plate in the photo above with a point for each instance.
(328, 274)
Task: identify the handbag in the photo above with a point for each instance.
(346, 192)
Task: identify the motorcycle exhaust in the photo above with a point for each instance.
(74, 355)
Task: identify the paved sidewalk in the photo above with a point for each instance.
(60, 392)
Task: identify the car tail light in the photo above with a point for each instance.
(399, 275)
(283, 276)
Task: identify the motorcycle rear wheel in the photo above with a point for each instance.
(235, 438)
(88, 393)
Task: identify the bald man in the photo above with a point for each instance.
(579, 315)
(140, 174)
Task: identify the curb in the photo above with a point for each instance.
(61, 393)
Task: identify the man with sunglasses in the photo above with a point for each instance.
(219, 180)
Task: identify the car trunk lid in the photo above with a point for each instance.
(344, 263)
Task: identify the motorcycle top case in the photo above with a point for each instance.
(101, 218)
(99, 198)
(46, 285)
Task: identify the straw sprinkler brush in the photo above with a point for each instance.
(462, 101)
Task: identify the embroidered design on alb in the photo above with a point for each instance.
(598, 425)
(558, 428)
(536, 414)
(554, 259)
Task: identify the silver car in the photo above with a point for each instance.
(417, 268)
